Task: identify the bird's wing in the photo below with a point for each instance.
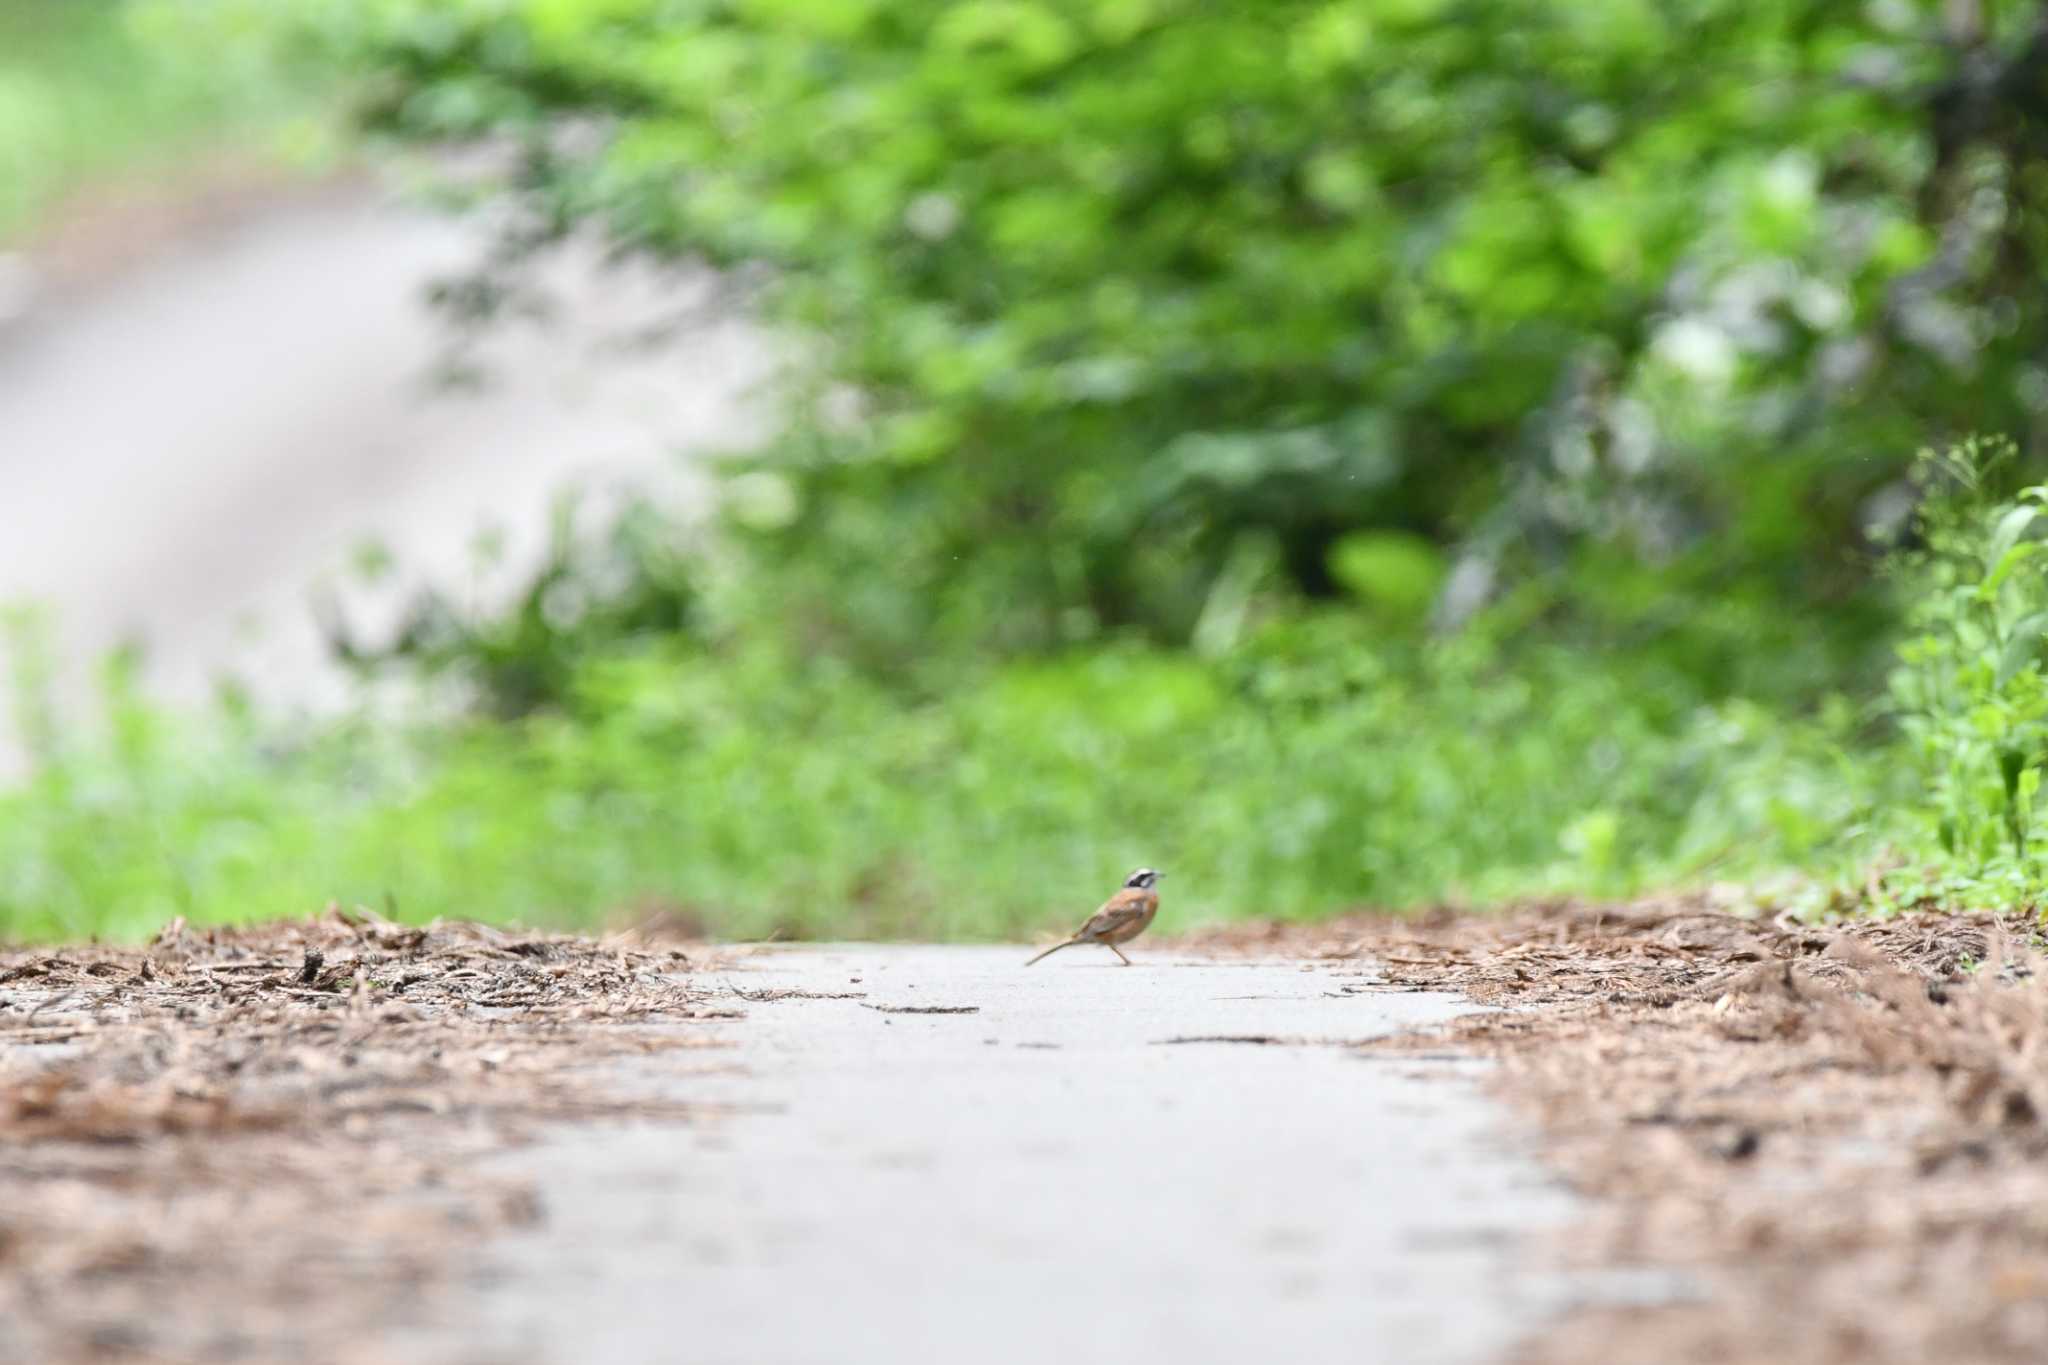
(1114, 915)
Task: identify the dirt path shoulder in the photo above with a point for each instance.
(267, 1144)
(1837, 1137)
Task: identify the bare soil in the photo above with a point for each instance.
(261, 1144)
(1837, 1136)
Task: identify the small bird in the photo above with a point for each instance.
(1122, 917)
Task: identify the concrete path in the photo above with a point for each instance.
(189, 445)
(1063, 1175)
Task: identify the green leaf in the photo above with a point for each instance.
(1396, 572)
(2004, 565)
(2015, 525)
(2022, 645)
(2010, 764)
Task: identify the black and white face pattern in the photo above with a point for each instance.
(1144, 879)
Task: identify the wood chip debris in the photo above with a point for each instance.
(924, 1009)
(289, 1119)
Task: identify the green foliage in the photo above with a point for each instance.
(86, 91)
(587, 595)
(1969, 691)
(1091, 294)
(1338, 450)
(1315, 767)
(1396, 575)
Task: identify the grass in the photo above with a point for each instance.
(1309, 772)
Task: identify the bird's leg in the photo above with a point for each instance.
(1119, 953)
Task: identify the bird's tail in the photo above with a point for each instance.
(1055, 948)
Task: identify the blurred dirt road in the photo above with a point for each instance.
(189, 441)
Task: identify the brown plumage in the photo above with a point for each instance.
(1122, 917)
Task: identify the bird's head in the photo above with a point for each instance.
(1144, 879)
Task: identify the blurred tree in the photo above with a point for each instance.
(1092, 295)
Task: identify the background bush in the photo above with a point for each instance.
(1370, 450)
(1109, 310)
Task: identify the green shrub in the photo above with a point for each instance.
(1969, 692)
(1089, 296)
